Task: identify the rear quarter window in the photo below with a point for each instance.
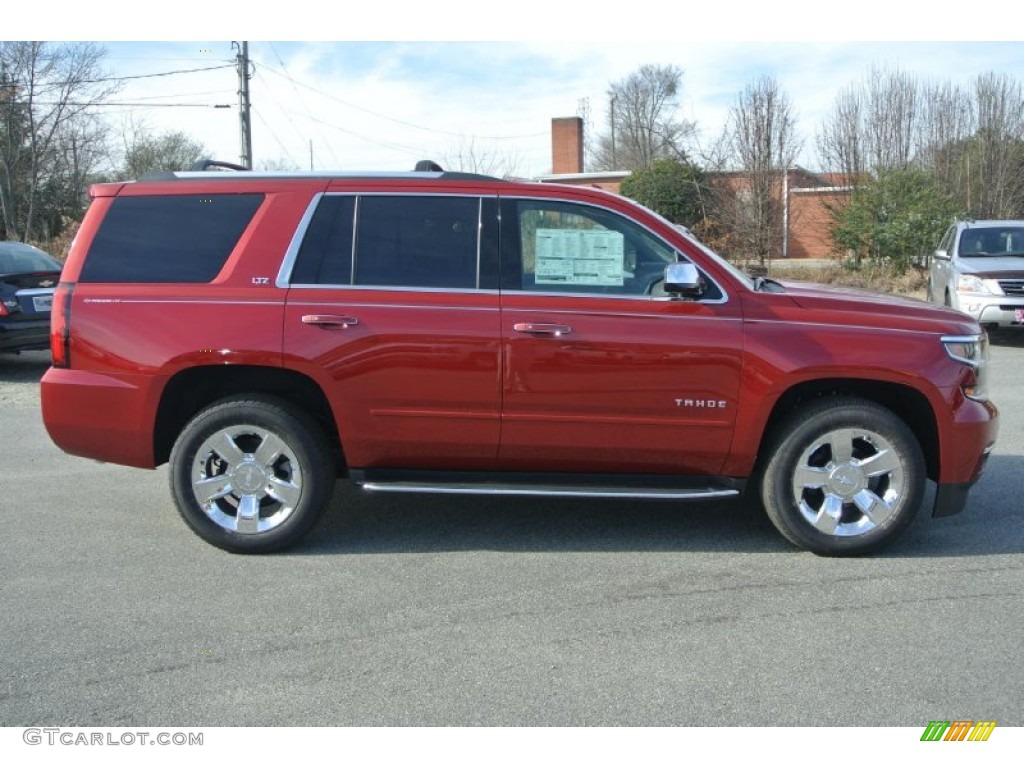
(168, 238)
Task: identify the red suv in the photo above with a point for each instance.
(442, 332)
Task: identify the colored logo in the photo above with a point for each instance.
(958, 730)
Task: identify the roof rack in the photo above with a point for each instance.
(423, 168)
(206, 163)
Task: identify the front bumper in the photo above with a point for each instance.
(967, 442)
(1001, 311)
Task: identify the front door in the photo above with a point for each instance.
(600, 374)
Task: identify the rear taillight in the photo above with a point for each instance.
(60, 326)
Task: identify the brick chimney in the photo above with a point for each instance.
(567, 145)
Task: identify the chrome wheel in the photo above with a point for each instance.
(246, 479)
(843, 476)
(252, 473)
(849, 482)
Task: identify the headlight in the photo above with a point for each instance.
(973, 352)
(974, 284)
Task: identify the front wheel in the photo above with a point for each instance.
(251, 474)
(845, 477)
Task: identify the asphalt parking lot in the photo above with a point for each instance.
(410, 610)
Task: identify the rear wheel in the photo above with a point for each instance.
(845, 476)
(251, 474)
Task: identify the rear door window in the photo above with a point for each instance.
(402, 241)
(426, 242)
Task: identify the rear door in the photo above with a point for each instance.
(393, 307)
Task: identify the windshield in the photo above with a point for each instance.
(992, 241)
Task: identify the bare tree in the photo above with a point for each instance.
(947, 122)
(761, 134)
(891, 114)
(874, 126)
(147, 153)
(469, 156)
(997, 176)
(49, 92)
(973, 140)
(643, 126)
(841, 140)
(276, 164)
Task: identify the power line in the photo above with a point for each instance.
(179, 95)
(395, 119)
(156, 74)
(124, 104)
(330, 149)
(46, 86)
(287, 114)
(279, 142)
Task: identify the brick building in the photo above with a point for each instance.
(805, 196)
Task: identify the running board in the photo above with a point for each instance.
(496, 484)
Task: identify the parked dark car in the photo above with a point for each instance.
(28, 277)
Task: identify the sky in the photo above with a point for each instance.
(413, 81)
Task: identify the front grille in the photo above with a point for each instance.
(1012, 287)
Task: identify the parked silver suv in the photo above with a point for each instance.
(978, 268)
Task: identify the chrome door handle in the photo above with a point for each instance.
(542, 329)
(330, 321)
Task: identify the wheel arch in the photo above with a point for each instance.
(907, 403)
(189, 391)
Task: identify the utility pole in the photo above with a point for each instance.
(611, 120)
(244, 108)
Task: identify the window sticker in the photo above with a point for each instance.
(579, 257)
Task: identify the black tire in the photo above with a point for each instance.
(829, 461)
(251, 474)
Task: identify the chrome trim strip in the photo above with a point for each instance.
(370, 305)
(558, 294)
(300, 175)
(611, 313)
(479, 236)
(610, 493)
(356, 206)
(397, 288)
(292, 252)
(183, 301)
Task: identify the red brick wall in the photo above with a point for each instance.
(810, 222)
(567, 145)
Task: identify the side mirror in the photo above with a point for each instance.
(942, 253)
(684, 279)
